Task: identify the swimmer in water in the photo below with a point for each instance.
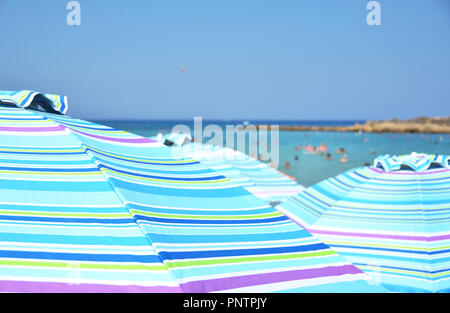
(340, 151)
(296, 158)
(323, 148)
(328, 156)
(344, 159)
(310, 149)
(287, 165)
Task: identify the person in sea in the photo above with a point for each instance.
(344, 159)
(311, 149)
(287, 165)
(323, 148)
(328, 156)
(340, 151)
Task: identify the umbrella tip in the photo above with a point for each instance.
(29, 99)
(418, 162)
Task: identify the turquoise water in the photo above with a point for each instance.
(310, 169)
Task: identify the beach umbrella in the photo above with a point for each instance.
(392, 220)
(88, 208)
(262, 180)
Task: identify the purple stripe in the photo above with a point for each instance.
(127, 140)
(54, 287)
(33, 129)
(266, 278)
(401, 237)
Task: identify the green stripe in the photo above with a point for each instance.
(252, 259)
(85, 265)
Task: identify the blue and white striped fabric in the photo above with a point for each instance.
(391, 220)
(88, 208)
(24, 98)
(418, 162)
(257, 177)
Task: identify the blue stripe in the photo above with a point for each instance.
(88, 186)
(67, 220)
(76, 240)
(43, 153)
(240, 252)
(26, 99)
(58, 256)
(47, 169)
(162, 238)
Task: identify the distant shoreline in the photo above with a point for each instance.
(431, 125)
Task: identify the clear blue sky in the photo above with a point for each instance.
(244, 59)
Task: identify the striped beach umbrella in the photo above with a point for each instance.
(88, 208)
(392, 220)
(259, 178)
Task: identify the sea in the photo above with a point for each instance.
(305, 167)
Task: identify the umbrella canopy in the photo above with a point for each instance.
(88, 208)
(257, 177)
(392, 220)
